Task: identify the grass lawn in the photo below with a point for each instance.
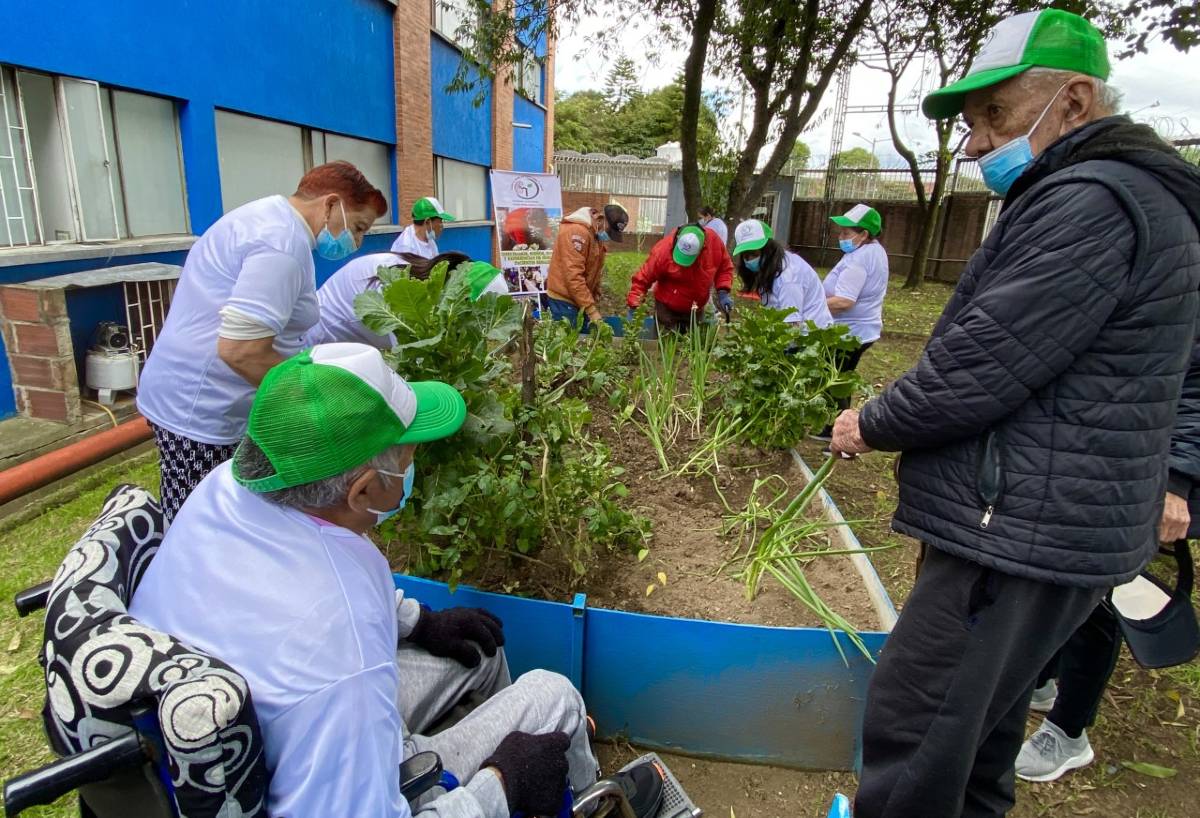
(30, 553)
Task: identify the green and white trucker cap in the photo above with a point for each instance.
(689, 241)
(1047, 39)
(484, 278)
(860, 216)
(429, 208)
(751, 234)
(331, 408)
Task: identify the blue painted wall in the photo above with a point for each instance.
(476, 241)
(309, 62)
(529, 144)
(460, 129)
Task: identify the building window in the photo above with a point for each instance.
(454, 18)
(529, 77)
(260, 157)
(462, 189)
(83, 162)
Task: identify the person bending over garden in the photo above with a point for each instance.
(268, 566)
(577, 262)
(781, 279)
(856, 286)
(246, 297)
(682, 268)
(1035, 427)
(339, 322)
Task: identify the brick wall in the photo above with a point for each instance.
(549, 99)
(37, 335)
(414, 112)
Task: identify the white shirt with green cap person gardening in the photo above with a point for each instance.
(258, 261)
(309, 615)
(409, 242)
(336, 300)
(862, 276)
(797, 287)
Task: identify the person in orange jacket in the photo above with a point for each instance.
(683, 267)
(577, 262)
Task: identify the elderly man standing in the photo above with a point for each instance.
(267, 566)
(1036, 425)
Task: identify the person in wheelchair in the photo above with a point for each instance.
(268, 566)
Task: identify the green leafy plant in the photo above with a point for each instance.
(782, 376)
(658, 403)
(517, 478)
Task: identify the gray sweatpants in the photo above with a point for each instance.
(538, 702)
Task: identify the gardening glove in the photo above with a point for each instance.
(631, 314)
(533, 770)
(457, 632)
(725, 302)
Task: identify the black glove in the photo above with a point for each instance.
(534, 771)
(454, 632)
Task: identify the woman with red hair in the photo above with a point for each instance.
(245, 299)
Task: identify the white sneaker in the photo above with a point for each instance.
(1050, 752)
(1044, 696)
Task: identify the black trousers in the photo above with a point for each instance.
(1083, 668)
(946, 707)
(848, 362)
(183, 463)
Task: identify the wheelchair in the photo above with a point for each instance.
(129, 767)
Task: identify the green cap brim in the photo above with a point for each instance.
(752, 244)
(446, 217)
(441, 412)
(947, 102)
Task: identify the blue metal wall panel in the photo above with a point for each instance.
(529, 144)
(8, 399)
(460, 129)
(754, 693)
(476, 242)
(30, 272)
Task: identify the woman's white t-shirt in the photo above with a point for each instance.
(257, 260)
(409, 242)
(336, 298)
(798, 288)
(861, 276)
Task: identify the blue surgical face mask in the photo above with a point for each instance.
(336, 249)
(409, 474)
(1002, 166)
(847, 245)
(752, 263)
(602, 235)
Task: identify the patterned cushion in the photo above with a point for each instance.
(99, 661)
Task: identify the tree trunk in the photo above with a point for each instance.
(689, 117)
(933, 210)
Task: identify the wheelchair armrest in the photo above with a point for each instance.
(45, 785)
(32, 599)
(418, 773)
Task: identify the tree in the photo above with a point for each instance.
(622, 85)
(952, 32)
(1176, 22)
(799, 157)
(856, 158)
(584, 122)
(786, 53)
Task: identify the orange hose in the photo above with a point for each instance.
(20, 480)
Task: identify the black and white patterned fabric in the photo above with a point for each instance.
(98, 661)
(183, 463)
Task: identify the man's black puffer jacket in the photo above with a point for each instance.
(1036, 425)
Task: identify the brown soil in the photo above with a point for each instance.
(688, 546)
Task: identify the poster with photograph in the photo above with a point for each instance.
(528, 208)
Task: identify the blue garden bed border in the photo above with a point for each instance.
(722, 690)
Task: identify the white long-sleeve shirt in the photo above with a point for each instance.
(336, 300)
(307, 612)
(798, 288)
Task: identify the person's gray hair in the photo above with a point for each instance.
(252, 464)
(1108, 98)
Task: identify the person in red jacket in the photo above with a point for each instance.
(683, 267)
